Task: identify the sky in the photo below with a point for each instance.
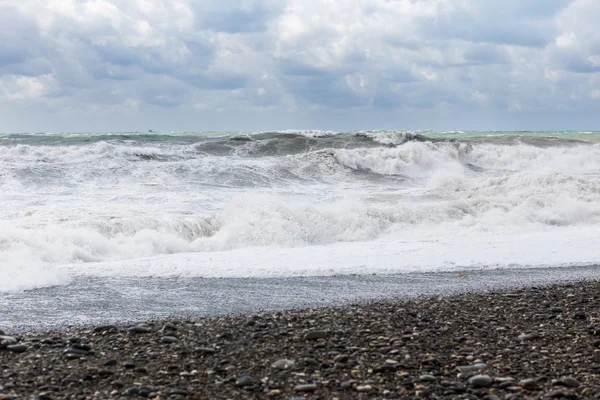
(256, 65)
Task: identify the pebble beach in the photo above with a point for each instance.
(533, 343)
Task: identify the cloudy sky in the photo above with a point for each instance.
(197, 65)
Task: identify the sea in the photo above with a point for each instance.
(119, 217)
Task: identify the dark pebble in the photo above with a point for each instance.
(110, 362)
(169, 339)
(205, 350)
(180, 392)
(17, 348)
(529, 384)
(480, 381)
(244, 380)
(106, 328)
(568, 382)
(314, 335)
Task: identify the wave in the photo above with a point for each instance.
(110, 200)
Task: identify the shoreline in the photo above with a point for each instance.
(97, 300)
(539, 341)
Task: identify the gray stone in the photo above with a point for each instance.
(72, 350)
(283, 364)
(244, 380)
(480, 381)
(427, 378)
(311, 387)
(7, 341)
(528, 336)
(106, 328)
(471, 368)
(568, 382)
(139, 329)
(169, 339)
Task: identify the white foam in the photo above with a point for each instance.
(444, 253)
(92, 208)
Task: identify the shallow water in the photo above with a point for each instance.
(108, 299)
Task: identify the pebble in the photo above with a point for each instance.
(427, 378)
(528, 336)
(314, 335)
(311, 387)
(471, 368)
(7, 341)
(244, 380)
(72, 350)
(529, 384)
(139, 329)
(106, 328)
(283, 364)
(568, 382)
(364, 388)
(169, 339)
(341, 358)
(17, 348)
(480, 381)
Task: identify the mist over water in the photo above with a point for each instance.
(293, 203)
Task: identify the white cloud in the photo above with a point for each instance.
(304, 57)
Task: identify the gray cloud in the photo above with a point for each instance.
(298, 58)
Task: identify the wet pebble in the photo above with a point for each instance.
(480, 381)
